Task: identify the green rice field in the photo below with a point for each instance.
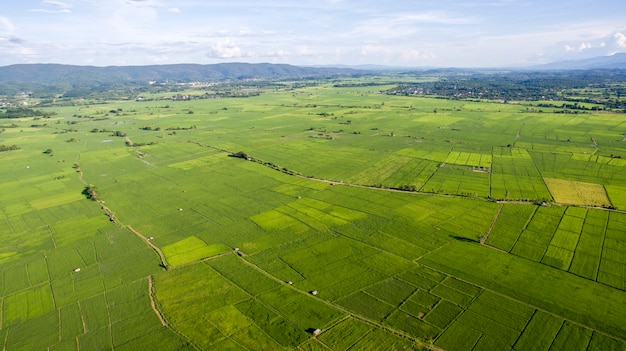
(356, 221)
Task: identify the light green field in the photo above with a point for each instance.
(374, 202)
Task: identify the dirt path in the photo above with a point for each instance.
(152, 246)
(152, 303)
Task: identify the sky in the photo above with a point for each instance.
(406, 33)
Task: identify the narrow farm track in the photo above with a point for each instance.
(111, 215)
(152, 246)
(335, 182)
(153, 303)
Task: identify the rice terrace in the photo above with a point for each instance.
(327, 210)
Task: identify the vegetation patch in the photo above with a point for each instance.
(191, 249)
(578, 193)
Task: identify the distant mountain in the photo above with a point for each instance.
(616, 61)
(89, 75)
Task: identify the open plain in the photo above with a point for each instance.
(325, 215)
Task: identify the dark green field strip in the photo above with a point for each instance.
(528, 251)
(452, 295)
(423, 300)
(572, 337)
(558, 257)
(585, 265)
(540, 332)
(570, 224)
(601, 342)
(509, 225)
(489, 303)
(565, 239)
(489, 327)
(381, 340)
(502, 316)
(489, 343)
(443, 314)
(367, 306)
(458, 337)
(391, 291)
(345, 334)
(411, 325)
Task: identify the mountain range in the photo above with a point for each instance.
(615, 61)
(62, 78)
(55, 73)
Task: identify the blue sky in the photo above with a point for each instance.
(439, 33)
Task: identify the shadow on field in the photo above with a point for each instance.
(464, 239)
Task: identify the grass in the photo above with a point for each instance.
(392, 269)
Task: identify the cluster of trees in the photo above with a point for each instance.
(527, 86)
(22, 112)
(8, 148)
(113, 132)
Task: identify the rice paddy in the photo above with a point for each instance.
(360, 221)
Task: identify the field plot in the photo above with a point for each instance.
(535, 238)
(617, 196)
(371, 267)
(577, 193)
(449, 179)
(564, 165)
(588, 243)
(510, 224)
(491, 322)
(190, 250)
(469, 159)
(524, 281)
(248, 309)
(515, 176)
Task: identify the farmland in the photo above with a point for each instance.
(323, 216)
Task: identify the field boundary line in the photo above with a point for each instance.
(580, 234)
(525, 327)
(6, 337)
(606, 226)
(110, 326)
(530, 219)
(483, 240)
(416, 192)
(153, 303)
(545, 251)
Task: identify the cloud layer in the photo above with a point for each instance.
(306, 32)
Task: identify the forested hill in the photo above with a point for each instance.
(55, 74)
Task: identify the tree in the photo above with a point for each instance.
(91, 192)
(240, 154)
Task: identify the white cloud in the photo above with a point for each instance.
(620, 40)
(6, 25)
(225, 49)
(174, 10)
(278, 54)
(59, 7)
(63, 5)
(51, 11)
